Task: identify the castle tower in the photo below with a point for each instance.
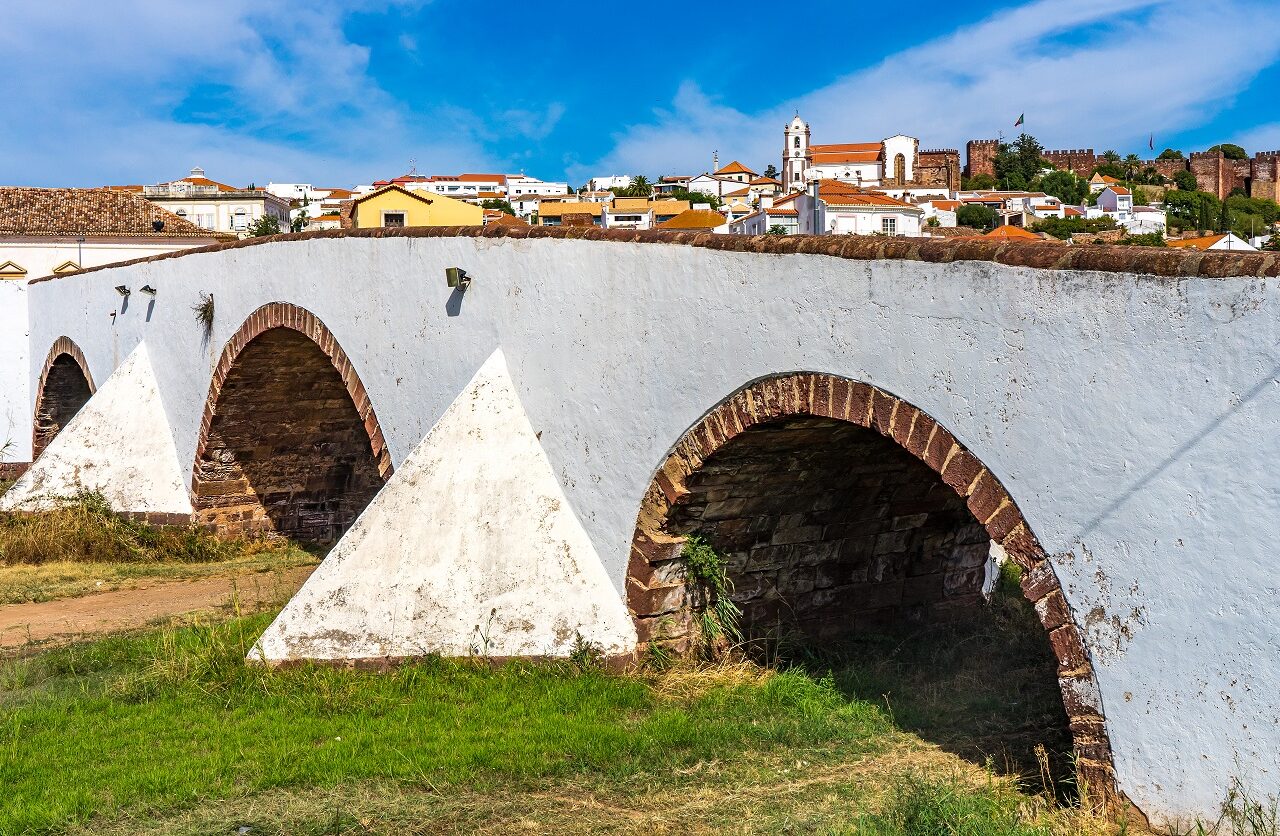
(795, 154)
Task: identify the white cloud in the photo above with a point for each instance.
(1084, 71)
(140, 90)
(1261, 138)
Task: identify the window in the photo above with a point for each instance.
(797, 142)
(390, 219)
(240, 220)
(889, 226)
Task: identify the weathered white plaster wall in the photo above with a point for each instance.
(118, 445)
(1136, 421)
(470, 549)
(15, 406)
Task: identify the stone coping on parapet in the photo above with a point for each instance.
(1105, 258)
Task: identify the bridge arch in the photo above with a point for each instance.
(289, 442)
(889, 485)
(65, 387)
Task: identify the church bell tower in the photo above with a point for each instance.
(795, 154)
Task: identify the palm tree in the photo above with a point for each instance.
(640, 186)
(1111, 156)
(1132, 163)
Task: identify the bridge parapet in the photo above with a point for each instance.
(1153, 261)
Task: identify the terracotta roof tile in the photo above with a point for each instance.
(1013, 232)
(96, 212)
(694, 219)
(735, 167)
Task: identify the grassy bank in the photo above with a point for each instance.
(81, 547)
(170, 732)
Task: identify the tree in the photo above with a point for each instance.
(300, 223)
(1140, 197)
(499, 204)
(640, 187)
(1064, 228)
(1230, 151)
(1110, 170)
(979, 183)
(1192, 209)
(1185, 181)
(265, 225)
(1272, 244)
(1019, 162)
(1170, 154)
(696, 197)
(977, 216)
(1065, 186)
(777, 229)
(771, 171)
(1111, 156)
(1132, 164)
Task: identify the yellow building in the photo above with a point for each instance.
(394, 206)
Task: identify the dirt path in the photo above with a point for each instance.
(127, 609)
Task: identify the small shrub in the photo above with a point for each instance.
(704, 570)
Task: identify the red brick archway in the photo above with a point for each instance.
(289, 442)
(65, 387)
(796, 404)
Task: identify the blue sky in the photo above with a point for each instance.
(138, 91)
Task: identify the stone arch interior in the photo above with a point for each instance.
(286, 450)
(829, 528)
(65, 390)
(846, 518)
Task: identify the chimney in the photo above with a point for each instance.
(715, 161)
(197, 172)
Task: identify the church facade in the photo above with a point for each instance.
(893, 163)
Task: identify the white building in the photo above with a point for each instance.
(1116, 202)
(851, 212)
(518, 184)
(291, 191)
(613, 181)
(1147, 220)
(216, 206)
(888, 162)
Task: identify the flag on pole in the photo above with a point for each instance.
(1151, 142)
(1022, 118)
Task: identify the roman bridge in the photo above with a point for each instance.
(856, 424)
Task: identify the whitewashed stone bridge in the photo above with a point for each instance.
(851, 421)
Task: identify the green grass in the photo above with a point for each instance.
(174, 717)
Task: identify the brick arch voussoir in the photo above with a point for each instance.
(286, 315)
(655, 589)
(62, 345)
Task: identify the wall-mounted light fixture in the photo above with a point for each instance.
(457, 278)
(123, 289)
(149, 290)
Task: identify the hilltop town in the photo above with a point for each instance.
(1218, 198)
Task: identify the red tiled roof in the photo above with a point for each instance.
(735, 167)
(93, 212)
(1015, 232)
(694, 219)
